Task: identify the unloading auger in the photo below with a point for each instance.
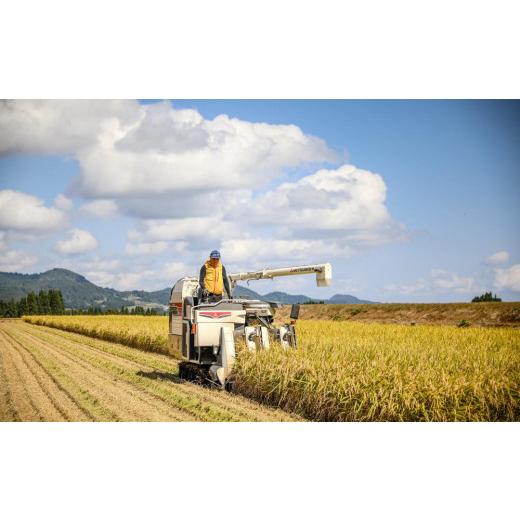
(203, 334)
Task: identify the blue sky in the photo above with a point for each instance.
(417, 200)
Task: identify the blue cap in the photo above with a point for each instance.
(214, 254)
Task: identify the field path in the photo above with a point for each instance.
(51, 375)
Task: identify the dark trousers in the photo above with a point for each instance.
(211, 298)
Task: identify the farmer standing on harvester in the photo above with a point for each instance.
(213, 279)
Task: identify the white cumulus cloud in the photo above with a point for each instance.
(95, 263)
(62, 202)
(193, 228)
(79, 241)
(196, 183)
(446, 280)
(59, 126)
(16, 261)
(101, 278)
(152, 279)
(100, 208)
(346, 198)
(130, 150)
(334, 212)
(172, 271)
(501, 257)
(508, 278)
(347, 203)
(146, 248)
(97, 269)
(259, 250)
(439, 281)
(25, 213)
(177, 151)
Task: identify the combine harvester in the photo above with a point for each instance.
(203, 334)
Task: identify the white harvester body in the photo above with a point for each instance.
(203, 334)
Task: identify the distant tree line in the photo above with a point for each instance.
(486, 297)
(51, 302)
(45, 302)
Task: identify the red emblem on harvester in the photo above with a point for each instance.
(214, 314)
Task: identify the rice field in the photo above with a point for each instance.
(376, 372)
(352, 371)
(147, 333)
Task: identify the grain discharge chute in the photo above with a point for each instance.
(203, 334)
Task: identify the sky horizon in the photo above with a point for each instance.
(411, 201)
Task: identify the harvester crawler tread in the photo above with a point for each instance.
(194, 373)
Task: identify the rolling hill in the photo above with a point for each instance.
(80, 293)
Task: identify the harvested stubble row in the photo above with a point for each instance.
(364, 372)
(53, 375)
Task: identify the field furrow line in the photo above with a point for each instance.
(63, 387)
(238, 406)
(131, 403)
(21, 398)
(60, 398)
(79, 394)
(185, 401)
(8, 410)
(46, 407)
(119, 402)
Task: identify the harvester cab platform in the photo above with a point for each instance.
(204, 334)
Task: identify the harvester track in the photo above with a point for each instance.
(195, 373)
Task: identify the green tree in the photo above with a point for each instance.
(61, 302)
(43, 298)
(12, 309)
(32, 304)
(486, 297)
(56, 302)
(22, 307)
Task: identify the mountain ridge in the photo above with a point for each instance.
(80, 293)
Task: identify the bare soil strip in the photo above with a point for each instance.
(51, 375)
(483, 314)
